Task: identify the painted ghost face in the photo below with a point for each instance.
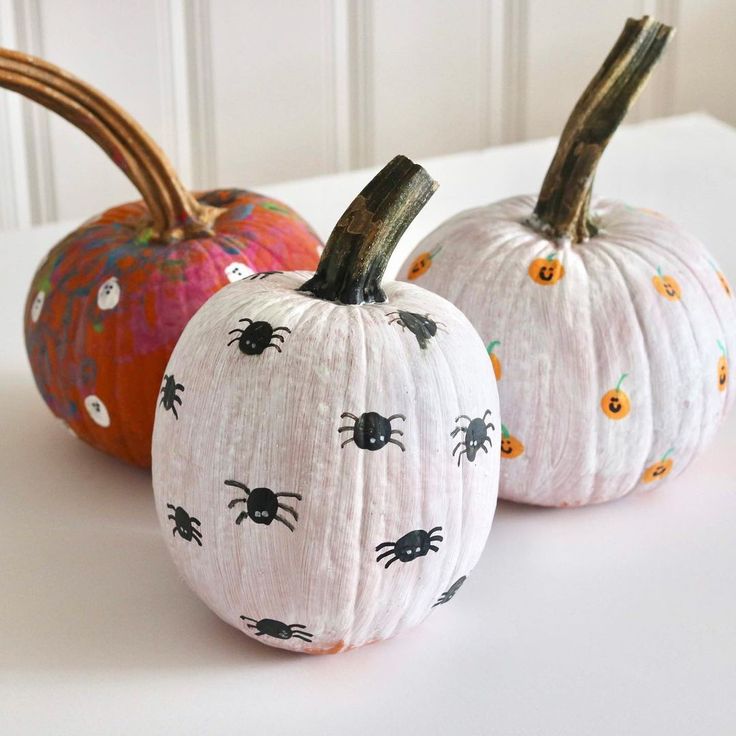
(237, 271)
(37, 306)
(97, 410)
(108, 295)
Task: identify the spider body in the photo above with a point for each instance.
(257, 336)
(371, 431)
(449, 594)
(423, 327)
(413, 544)
(184, 525)
(169, 395)
(278, 629)
(262, 505)
(474, 438)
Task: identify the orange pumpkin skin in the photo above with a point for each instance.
(107, 306)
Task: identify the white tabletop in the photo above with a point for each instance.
(617, 619)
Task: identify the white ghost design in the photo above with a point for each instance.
(97, 410)
(37, 306)
(237, 271)
(108, 295)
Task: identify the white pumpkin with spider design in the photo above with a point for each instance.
(330, 475)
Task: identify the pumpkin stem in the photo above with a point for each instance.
(620, 381)
(175, 213)
(667, 454)
(505, 432)
(492, 345)
(357, 253)
(562, 209)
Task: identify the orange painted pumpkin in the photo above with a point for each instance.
(422, 263)
(722, 368)
(616, 403)
(546, 271)
(109, 302)
(495, 362)
(667, 286)
(511, 446)
(661, 469)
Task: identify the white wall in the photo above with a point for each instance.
(241, 92)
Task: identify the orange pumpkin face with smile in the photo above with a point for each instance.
(546, 271)
(667, 286)
(511, 446)
(660, 469)
(722, 368)
(615, 403)
(421, 264)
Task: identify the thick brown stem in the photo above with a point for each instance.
(562, 207)
(358, 251)
(175, 213)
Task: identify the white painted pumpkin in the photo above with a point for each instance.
(330, 474)
(611, 352)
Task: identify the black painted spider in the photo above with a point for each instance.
(257, 336)
(184, 524)
(262, 505)
(449, 594)
(475, 438)
(423, 327)
(278, 629)
(261, 275)
(170, 398)
(414, 544)
(371, 431)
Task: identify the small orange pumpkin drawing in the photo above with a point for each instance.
(511, 447)
(722, 368)
(615, 403)
(660, 469)
(667, 286)
(722, 278)
(422, 263)
(546, 271)
(495, 362)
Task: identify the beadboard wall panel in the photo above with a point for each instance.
(242, 92)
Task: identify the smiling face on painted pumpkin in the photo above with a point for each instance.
(658, 470)
(511, 447)
(420, 265)
(615, 404)
(722, 373)
(667, 286)
(546, 271)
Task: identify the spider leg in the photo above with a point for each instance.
(271, 345)
(248, 618)
(279, 337)
(345, 429)
(177, 399)
(238, 330)
(286, 329)
(173, 410)
(438, 538)
(397, 416)
(260, 633)
(284, 522)
(433, 548)
(463, 416)
(388, 314)
(171, 506)
(299, 626)
(303, 638)
(490, 425)
(390, 562)
(396, 442)
(388, 553)
(174, 531)
(172, 517)
(232, 503)
(434, 529)
(385, 544)
(179, 387)
(397, 431)
(347, 442)
(195, 520)
(238, 485)
(245, 319)
(459, 457)
(458, 429)
(457, 446)
(349, 415)
(243, 515)
(235, 339)
(289, 510)
(162, 390)
(487, 413)
(197, 538)
(439, 602)
(484, 448)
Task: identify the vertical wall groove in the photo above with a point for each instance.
(361, 83)
(516, 48)
(337, 64)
